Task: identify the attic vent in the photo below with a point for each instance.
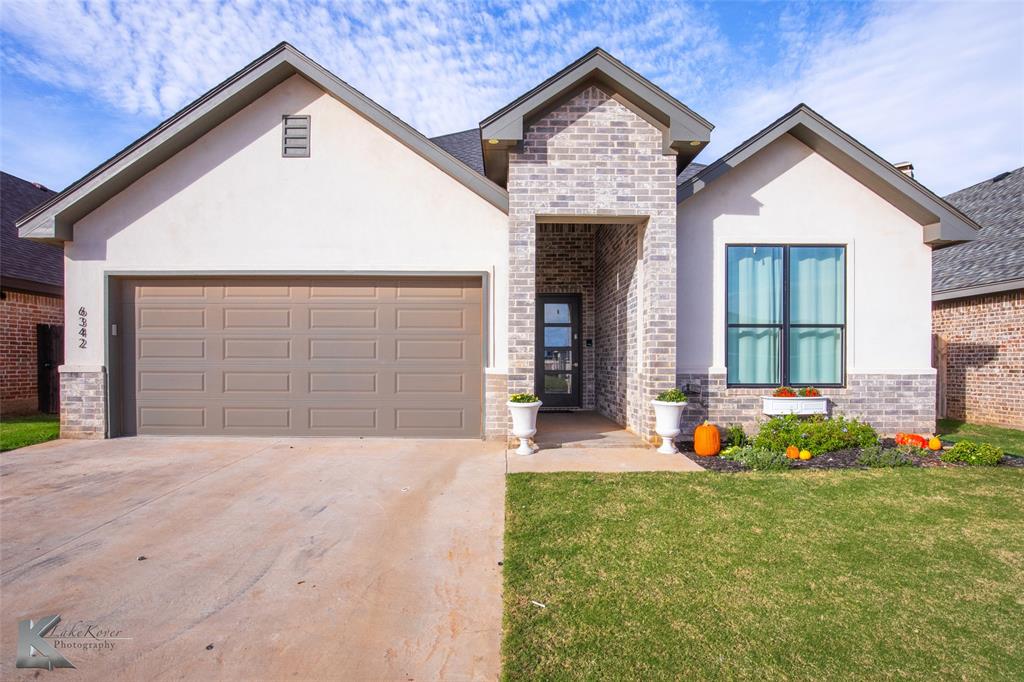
(295, 136)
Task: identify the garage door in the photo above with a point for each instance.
(303, 357)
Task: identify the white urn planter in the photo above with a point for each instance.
(524, 424)
(666, 424)
(773, 406)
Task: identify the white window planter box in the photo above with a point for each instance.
(773, 406)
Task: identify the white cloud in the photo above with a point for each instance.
(938, 84)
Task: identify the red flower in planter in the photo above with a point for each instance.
(784, 392)
(810, 392)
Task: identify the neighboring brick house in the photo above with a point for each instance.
(31, 296)
(978, 308)
(285, 257)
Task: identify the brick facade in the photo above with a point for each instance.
(83, 411)
(983, 340)
(593, 157)
(889, 402)
(617, 372)
(19, 314)
(495, 410)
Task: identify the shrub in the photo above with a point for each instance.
(757, 459)
(523, 398)
(975, 454)
(816, 434)
(735, 435)
(875, 456)
(673, 395)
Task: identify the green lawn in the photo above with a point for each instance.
(17, 432)
(812, 575)
(1010, 440)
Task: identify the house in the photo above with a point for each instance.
(978, 308)
(285, 256)
(31, 306)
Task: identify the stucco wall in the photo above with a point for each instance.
(788, 194)
(362, 201)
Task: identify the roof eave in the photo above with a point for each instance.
(941, 223)
(52, 222)
(978, 290)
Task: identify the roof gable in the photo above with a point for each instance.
(53, 220)
(685, 133)
(942, 222)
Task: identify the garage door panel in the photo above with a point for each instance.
(261, 382)
(343, 318)
(343, 383)
(361, 419)
(305, 356)
(257, 349)
(172, 417)
(172, 382)
(257, 318)
(344, 349)
(170, 348)
(175, 318)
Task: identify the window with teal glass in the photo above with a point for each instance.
(785, 315)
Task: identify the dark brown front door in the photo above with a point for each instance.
(49, 356)
(558, 350)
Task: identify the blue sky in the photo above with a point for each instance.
(938, 84)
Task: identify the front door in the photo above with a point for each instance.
(558, 350)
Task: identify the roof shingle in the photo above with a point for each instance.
(997, 255)
(21, 258)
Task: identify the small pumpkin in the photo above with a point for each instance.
(901, 438)
(805, 454)
(916, 440)
(706, 440)
(934, 443)
(792, 452)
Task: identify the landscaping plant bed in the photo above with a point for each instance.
(838, 459)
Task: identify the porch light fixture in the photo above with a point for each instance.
(694, 143)
(492, 141)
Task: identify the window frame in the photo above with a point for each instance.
(785, 325)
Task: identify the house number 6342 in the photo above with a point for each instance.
(83, 328)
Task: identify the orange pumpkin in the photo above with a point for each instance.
(792, 452)
(934, 443)
(916, 440)
(706, 441)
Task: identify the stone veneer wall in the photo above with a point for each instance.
(19, 373)
(593, 157)
(495, 410)
(984, 365)
(83, 412)
(565, 265)
(616, 375)
(889, 402)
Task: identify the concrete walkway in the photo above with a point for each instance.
(264, 559)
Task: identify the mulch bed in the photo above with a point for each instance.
(840, 459)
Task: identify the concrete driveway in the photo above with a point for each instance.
(264, 559)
